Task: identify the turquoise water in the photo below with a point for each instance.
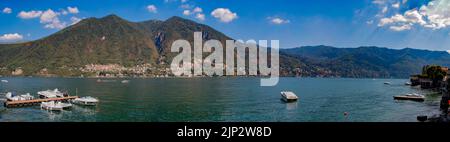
(225, 99)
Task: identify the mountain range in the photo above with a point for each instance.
(114, 40)
(377, 62)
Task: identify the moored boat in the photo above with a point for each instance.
(288, 96)
(125, 81)
(55, 106)
(5, 81)
(88, 101)
(13, 96)
(51, 94)
(411, 96)
(387, 83)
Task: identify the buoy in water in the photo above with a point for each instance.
(345, 113)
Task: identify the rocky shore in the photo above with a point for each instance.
(435, 78)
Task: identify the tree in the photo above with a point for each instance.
(435, 73)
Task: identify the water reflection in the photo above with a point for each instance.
(224, 99)
(54, 115)
(291, 106)
(85, 110)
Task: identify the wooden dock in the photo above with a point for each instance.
(10, 104)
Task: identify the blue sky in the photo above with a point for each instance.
(420, 24)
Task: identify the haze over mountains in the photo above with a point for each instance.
(113, 40)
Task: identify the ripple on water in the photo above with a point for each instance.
(226, 99)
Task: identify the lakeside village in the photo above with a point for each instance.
(110, 71)
(94, 71)
(437, 79)
(161, 70)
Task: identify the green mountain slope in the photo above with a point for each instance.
(113, 40)
(365, 61)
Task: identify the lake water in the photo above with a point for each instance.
(224, 99)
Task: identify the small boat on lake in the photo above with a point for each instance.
(408, 83)
(387, 83)
(288, 96)
(105, 81)
(13, 96)
(55, 106)
(88, 101)
(411, 96)
(51, 94)
(125, 81)
(4, 81)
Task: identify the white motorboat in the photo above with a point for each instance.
(411, 96)
(387, 83)
(125, 81)
(55, 106)
(5, 81)
(88, 101)
(408, 83)
(288, 96)
(51, 94)
(12, 96)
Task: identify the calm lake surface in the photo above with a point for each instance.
(224, 99)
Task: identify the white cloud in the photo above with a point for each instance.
(409, 18)
(434, 15)
(51, 20)
(278, 21)
(48, 16)
(404, 1)
(75, 20)
(7, 10)
(396, 5)
(187, 12)
(380, 2)
(73, 10)
(197, 10)
(224, 15)
(185, 6)
(29, 14)
(400, 28)
(200, 16)
(56, 24)
(152, 9)
(64, 12)
(384, 10)
(11, 37)
(169, 1)
(370, 22)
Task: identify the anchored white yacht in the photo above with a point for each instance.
(55, 106)
(411, 96)
(5, 81)
(89, 101)
(288, 96)
(51, 94)
(12, 96)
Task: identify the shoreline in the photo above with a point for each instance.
(195, 77)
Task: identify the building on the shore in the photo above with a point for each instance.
(437, 78)
(432, 77)
(415, 80)
(422, 81)
(426, 83)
